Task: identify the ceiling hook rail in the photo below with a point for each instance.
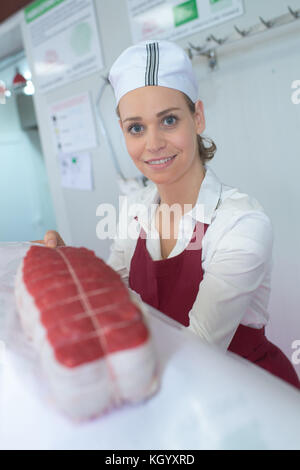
(211, 53)
(218, 41)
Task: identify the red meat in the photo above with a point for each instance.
(84, 306)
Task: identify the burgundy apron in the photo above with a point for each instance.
(171, 286)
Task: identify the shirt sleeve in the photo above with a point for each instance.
(237, 268)
(116, 259)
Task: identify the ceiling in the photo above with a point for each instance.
(11, 7)
(11, 41)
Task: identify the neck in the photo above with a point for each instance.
(184, 190)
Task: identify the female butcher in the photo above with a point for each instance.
(203, 250)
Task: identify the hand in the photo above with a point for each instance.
(52, 239)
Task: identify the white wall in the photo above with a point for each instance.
(26, 209)
(255, 125)
(249, 115)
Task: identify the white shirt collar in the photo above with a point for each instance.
(208, 197)
(207, 201)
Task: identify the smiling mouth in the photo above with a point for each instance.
(160, 161)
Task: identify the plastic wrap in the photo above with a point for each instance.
(206, 400)
(87, 390)
(23, 357)
(11, 333)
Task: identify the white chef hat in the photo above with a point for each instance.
(153, 63)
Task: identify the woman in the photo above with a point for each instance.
(203, 251)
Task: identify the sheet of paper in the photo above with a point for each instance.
(64, 41)
(73, 124)
(76, 171)
(174, 19)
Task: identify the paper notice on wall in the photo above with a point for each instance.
(64, 41)
(76, 171)
(73, 124)
(174, 19)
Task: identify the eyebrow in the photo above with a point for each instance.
(139, 118)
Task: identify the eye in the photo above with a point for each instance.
(170, 120)
(135, 129)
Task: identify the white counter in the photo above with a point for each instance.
(207, 400)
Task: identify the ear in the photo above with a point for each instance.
(199, 117)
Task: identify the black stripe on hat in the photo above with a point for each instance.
(147, 65)
(157, 63)
(151, 73)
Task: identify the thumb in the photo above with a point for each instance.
(51, 239)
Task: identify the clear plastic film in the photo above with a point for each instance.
(11, 256)
(81, 392)
(16, 351)
(206, 400)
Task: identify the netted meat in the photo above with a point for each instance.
(93, 341)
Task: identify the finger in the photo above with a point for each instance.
(51, 238)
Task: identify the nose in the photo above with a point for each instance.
(154, 141)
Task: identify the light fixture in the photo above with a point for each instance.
(20, 85)
(29, 88)
(19, 82)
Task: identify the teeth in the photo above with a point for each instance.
(158, 162)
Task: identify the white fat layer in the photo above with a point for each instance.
(90, 389)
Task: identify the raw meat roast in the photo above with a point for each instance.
(94, 345)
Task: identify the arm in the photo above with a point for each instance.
(116, 260)
(237, 268)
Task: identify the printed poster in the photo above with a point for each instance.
(64, 41)
(76, 171)
(73, 124)
(174, 19)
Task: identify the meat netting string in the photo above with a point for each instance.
(111, 307)
(98, 331)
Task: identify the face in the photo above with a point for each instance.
(161, 132)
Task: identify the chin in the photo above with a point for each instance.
(160, 179)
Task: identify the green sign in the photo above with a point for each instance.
(218, 5)
(38, 8)
(185, 12)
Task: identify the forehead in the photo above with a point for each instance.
(150, 99)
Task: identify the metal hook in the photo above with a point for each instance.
(295, 14)
(218, 41)
(244, 32)
(196, 48)
(268, 24)
(210, 54)
(212, 58)
(199, 50)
